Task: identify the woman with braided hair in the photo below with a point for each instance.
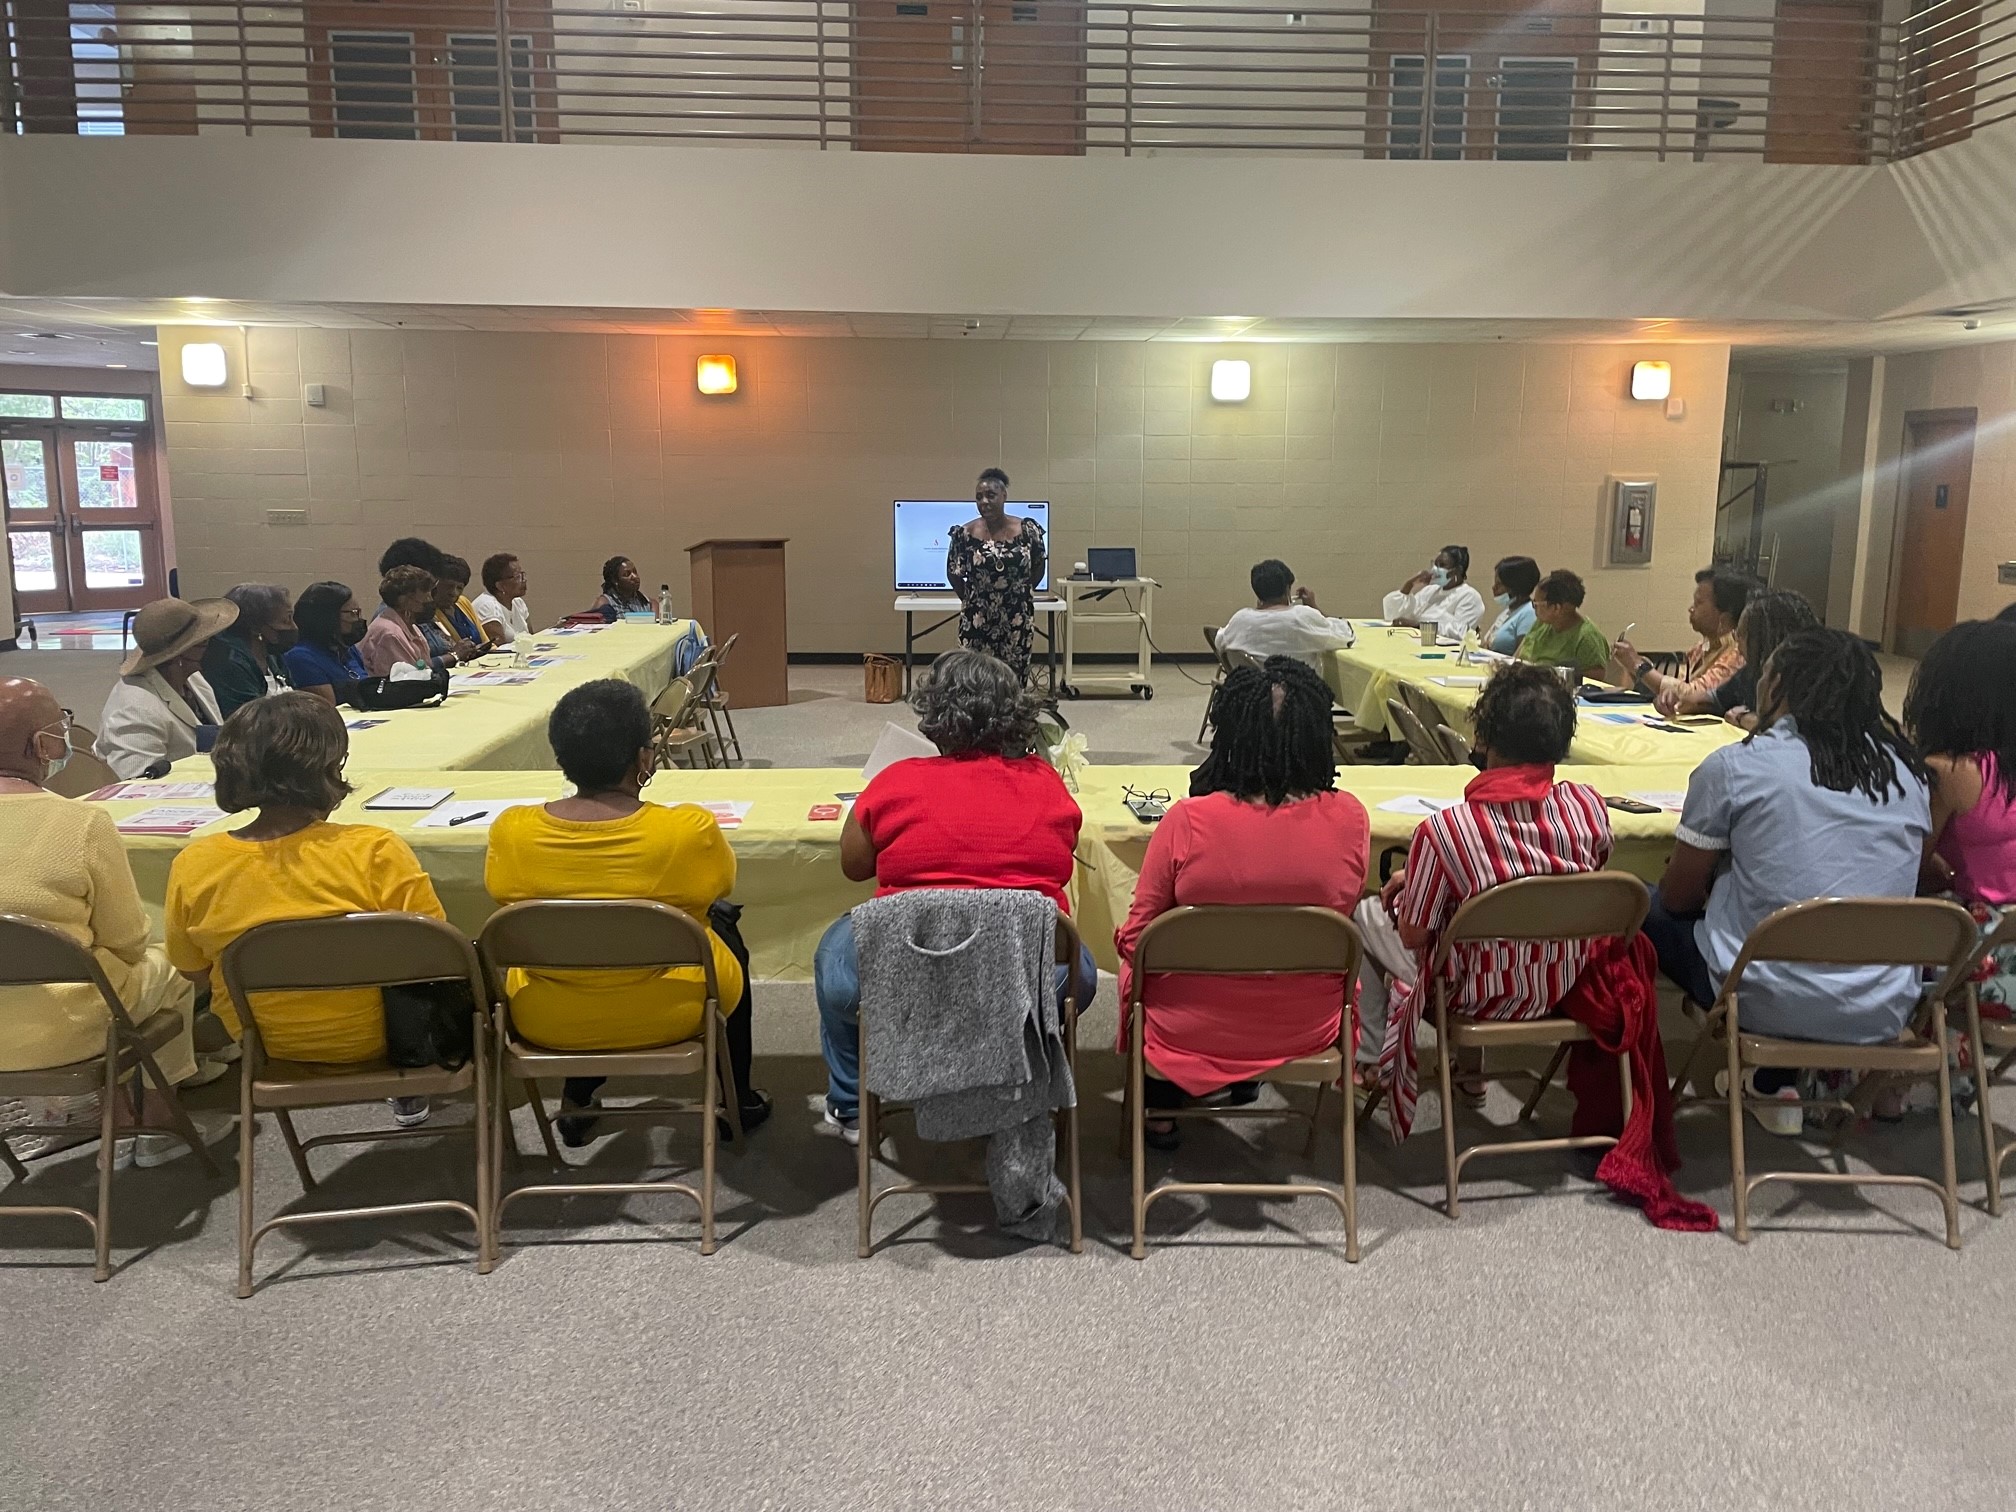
(1264, 823)
(1827, 798)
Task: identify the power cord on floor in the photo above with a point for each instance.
(1148, 631)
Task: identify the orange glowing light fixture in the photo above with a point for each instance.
(716, 375)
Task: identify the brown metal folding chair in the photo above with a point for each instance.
(86, 771)
(1921, 932)
(1581, 906)
(1269, 940)
(34, 955)
(620, 935)
(1423, 748)
(1217, 680)
(676, 731)
(714, 698)
(874, 1110)
(351, 950)
(1983, 1037)
(1456, 744)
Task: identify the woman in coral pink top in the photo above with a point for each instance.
(1264, 824)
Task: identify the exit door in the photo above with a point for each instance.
(83, 514)
(969, 76)
(1823, 79)
(1925, 577)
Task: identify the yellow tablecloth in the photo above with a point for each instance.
(788, 866)
(1364, 677)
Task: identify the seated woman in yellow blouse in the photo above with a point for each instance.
(607, 842)
(284, 756)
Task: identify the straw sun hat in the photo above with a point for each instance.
(168, 627)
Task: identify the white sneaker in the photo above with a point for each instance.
(1779, 1113)
(209, 1068)
(148, 1150)
(850, 1128)
(410, 1112)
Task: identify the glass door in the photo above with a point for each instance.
(83, 511)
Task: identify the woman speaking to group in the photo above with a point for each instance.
(994, 563)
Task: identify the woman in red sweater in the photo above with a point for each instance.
(1264, 823)
(988, 812)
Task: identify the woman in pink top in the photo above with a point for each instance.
(1961, 711)
(1264, 823)
(393, 636)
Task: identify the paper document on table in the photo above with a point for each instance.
(729, 815)
(895, 744)
(1606, 716)
(1414, 803)
(574, 630)
(169, 821)
(495, 677)
(408, 798)
(549, 661)
(1672, 803)
(1458, 682)
(471, 813)
(153, 791)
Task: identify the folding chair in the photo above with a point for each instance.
(85, 772)
(714, 698)
(625, 935)
(1582, 906)
(675, 726)
(1217, 680)
(1457, 745)
(874, 1110)
(1270, 940)
(1423, 748)
(34, 955)
(1921, 932)
(1999, 1036)
(350, 950)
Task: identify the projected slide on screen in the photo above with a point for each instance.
(922, 526)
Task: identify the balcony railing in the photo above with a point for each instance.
(1560, 81)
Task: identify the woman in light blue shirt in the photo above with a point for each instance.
(1827, 799)
(1512, 584)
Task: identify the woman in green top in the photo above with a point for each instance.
(1560, 637)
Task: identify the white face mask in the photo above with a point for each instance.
(1503, 600)
(62, 761)
(1439, 576)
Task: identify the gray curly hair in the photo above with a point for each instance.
(971, 701)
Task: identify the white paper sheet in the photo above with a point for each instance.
(1672, 803)
(180, 820)
(153, 791)
(408, 798)
(471, 813)
(1458, 682)
(1414, 803)
(895, 744)
(728, 814)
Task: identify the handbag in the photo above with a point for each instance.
(430, 1024)
(408, 693)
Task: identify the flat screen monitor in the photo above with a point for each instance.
(922, 529)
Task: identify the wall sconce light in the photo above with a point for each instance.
(203, 365)
(1231, 381)
(716, 375)
(1651, 380)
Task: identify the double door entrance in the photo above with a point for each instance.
(83, 512)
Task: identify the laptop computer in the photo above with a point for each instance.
(1110, 563)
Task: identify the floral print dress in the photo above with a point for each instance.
(996, 583)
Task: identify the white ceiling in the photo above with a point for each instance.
(91, 332)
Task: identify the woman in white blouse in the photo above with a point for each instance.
(1441, 593)
(500, 607)
(161, 709)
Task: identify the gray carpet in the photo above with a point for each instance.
(1548, 1350)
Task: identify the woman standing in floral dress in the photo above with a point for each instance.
(994, 563)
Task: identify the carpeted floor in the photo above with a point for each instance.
(1548, 1350)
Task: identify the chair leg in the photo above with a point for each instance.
(1075, 1185)
(1546, 1080)
(1137, 1129)
(1687, 1065)
(500, 1130)
(1983, 1077)
(1350, 1124)
(101, 1239)
(864, 1142)
(245, 1126)
(294, 1149)
(724, 1071)
(185, 1127)
(1738, 1177)
(1949, 1180)
(545, 1124)
(15, 1169)
(1445, 1082)
(710, 1133)
(1315, 1112)
(735, 740)
(486, 1251)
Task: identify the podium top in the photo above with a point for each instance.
(741, 541)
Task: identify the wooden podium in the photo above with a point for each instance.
(738, 589)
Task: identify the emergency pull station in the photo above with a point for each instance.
(1631, 507)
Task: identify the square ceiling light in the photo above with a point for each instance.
(1231, 381)
(1651, 380)
(203, 365)
(716, 375)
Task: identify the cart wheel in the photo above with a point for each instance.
(1144, 692)
(1067, 690)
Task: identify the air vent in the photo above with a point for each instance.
(1022, 13)
(286, 517)
(1537, 24)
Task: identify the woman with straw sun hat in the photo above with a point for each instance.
(161, 709)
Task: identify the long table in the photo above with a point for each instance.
(504, 728)
(1364, 677)
(788, 864)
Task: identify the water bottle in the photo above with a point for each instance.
(664, 603)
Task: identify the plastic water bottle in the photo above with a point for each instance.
(664, 604)
(1469, 645)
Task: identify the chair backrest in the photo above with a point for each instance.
(1247, 940)
(347, 950)
(577, 934)
(85, 772)
(1577, 906)
(1866, 932)
(1234, 659)
(1428, 751)
(1457, 745)
(721, 651)
(702, 675)
(34, 954)
(673, 704)
(1211, 637)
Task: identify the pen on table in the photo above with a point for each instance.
(465, 818)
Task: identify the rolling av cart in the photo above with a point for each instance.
(1107, 601)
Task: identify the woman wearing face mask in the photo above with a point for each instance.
(1440, 592)
(162, 709)
(67, 869)
(247, 661)
(324, 661)
(1512, 583)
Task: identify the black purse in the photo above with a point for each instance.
(430, 1024)
(375, 693)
